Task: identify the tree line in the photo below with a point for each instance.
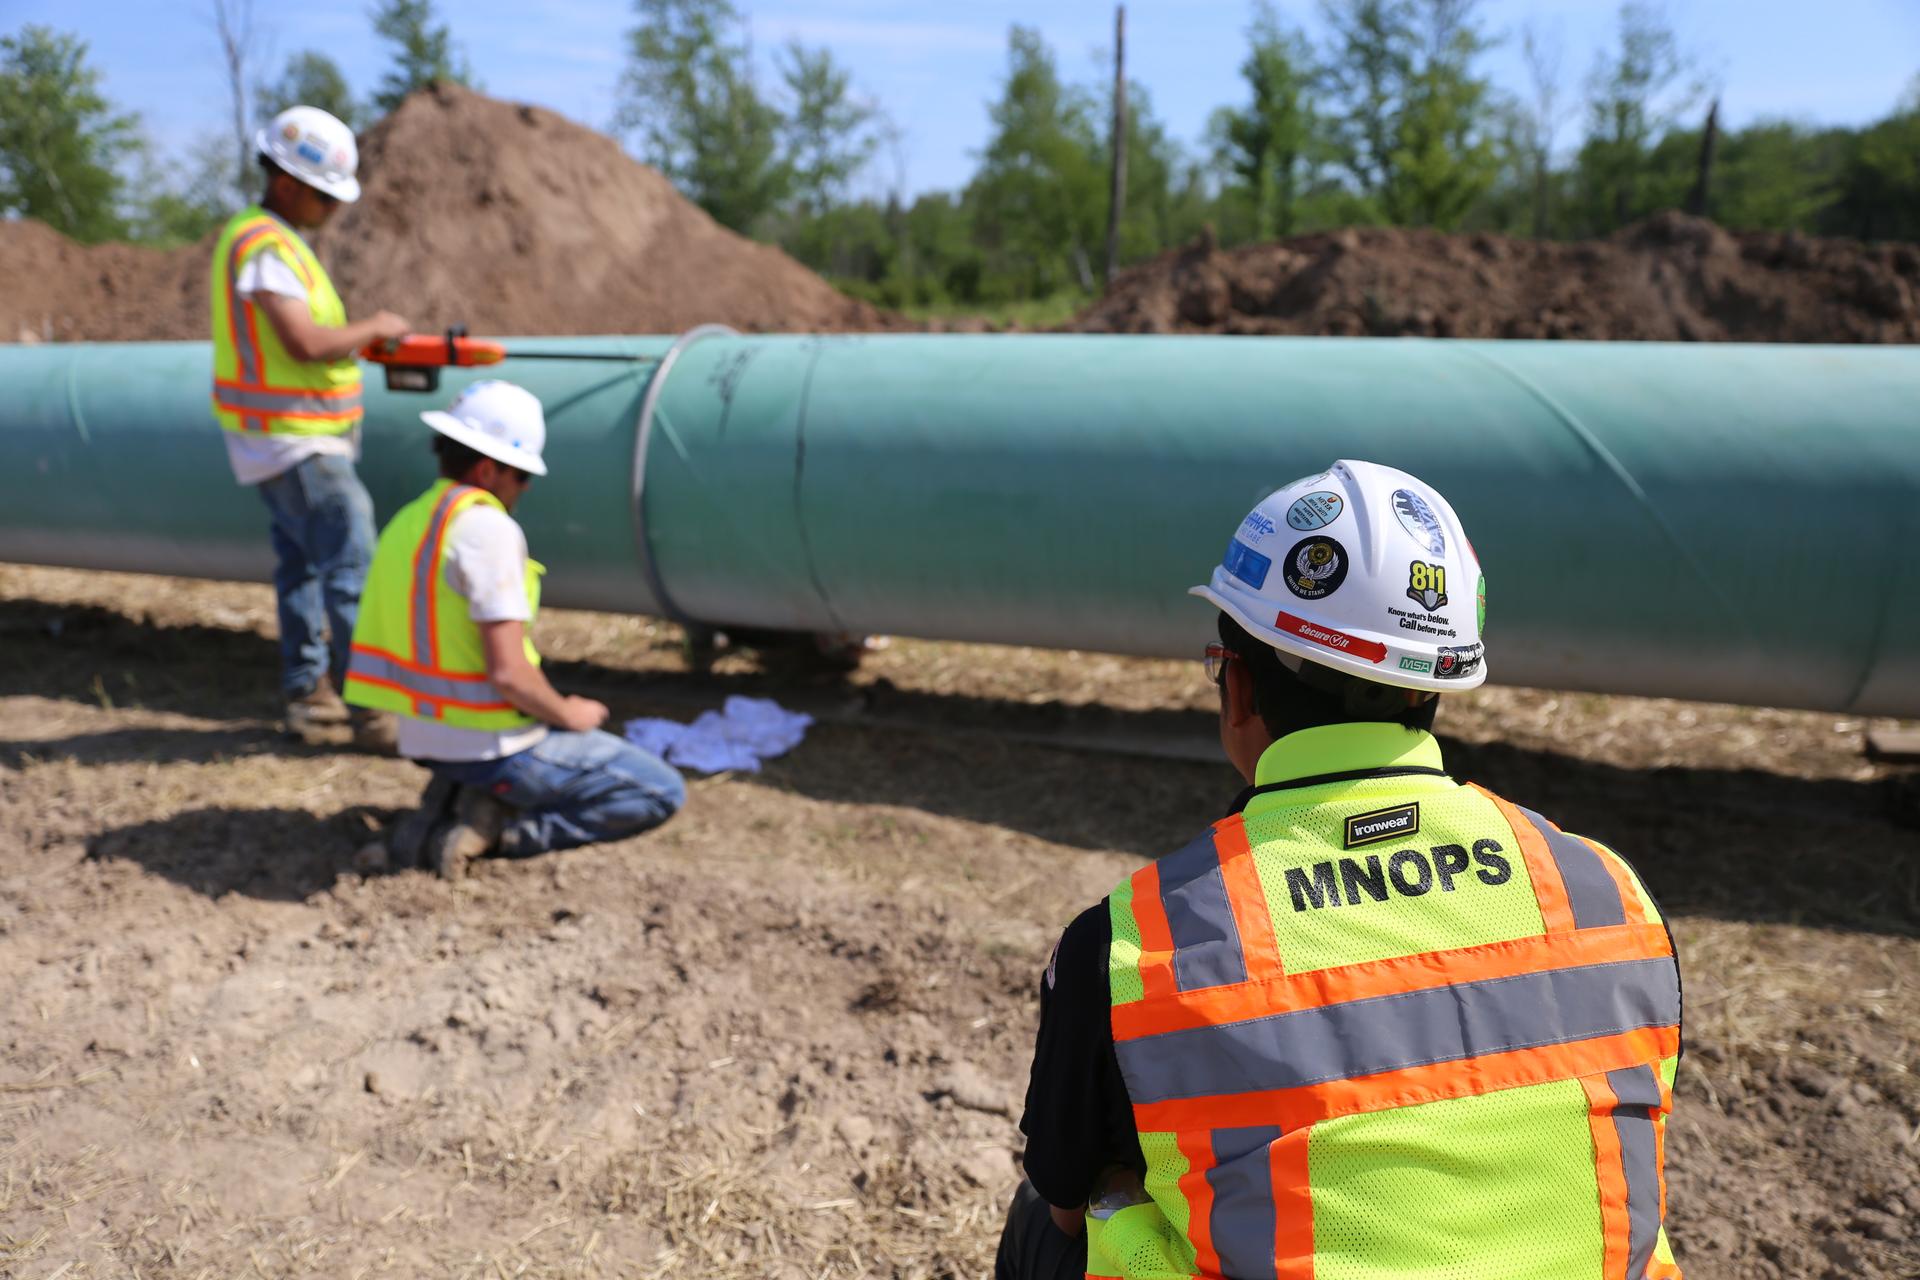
(1387, 118)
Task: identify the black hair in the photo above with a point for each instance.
(456, 459)
(1319, 695)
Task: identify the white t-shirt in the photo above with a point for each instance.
(256, 458)
(486, 563)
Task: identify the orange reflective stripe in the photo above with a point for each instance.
(1248, 897)
(399, 661)
(1466, 1077)
(1611, 1174)
(1156, 935)
(1556, 913)
(1630, 897)
(1197, 1147)
(1185, 1010)
(1293, 1206)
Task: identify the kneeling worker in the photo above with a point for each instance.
(443, 642)
(1373, 1021)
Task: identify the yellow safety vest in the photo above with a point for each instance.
(1380, 1024)
(257, 386)
(416, 649)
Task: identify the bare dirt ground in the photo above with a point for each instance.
(787, 1034)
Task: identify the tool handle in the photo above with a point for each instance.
(419, 349)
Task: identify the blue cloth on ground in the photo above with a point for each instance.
(738, 737)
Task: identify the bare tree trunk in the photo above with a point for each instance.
(1703, 182)
(1117, 200)
(233, 23)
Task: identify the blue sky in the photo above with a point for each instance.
(934, 67)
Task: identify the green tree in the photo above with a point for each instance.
(1037, 198)
(828, 135)
(422, 50)
(1880, 181)
(1442, 159)
(1635, 93)
(60, 139)
(1413, 121)
(1270, 148)
(689, 93)
(1153, 215)
(310, 79)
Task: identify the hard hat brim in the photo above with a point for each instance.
(1260, 626)
(454, 429)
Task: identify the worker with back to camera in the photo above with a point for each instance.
(1373, 1023)
(444, 642)
(286, 391)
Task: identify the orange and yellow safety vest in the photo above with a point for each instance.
(416, 649)
(1379, 1024)
(257, 385)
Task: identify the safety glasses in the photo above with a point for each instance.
(1215, 662)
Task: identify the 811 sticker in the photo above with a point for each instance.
(1427, 584)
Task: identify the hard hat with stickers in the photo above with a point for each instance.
(1364, 569)
(316, 147)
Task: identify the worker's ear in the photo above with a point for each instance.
(1238, 704)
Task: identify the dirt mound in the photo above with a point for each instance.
(1672, 277)
(507, 218)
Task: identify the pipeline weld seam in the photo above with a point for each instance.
(799, 476)
(643, 433)
(1580, 431)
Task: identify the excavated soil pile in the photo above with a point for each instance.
(1672, 277)
(507, 218)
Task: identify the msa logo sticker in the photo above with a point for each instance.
(1382, 824)
(1422, 665)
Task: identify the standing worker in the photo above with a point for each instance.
(1374, 1022)
(444, 642)
(287, 394)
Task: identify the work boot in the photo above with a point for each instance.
(407, 839)
(477, 819)
(317, 708)
(373, 731)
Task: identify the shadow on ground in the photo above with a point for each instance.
(1738, 844)
(282, 855)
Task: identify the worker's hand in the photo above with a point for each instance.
(582, 714)
(387, 326)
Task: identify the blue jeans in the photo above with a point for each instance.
(323, 535)
(573, 789)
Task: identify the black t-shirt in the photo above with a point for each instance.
(1078, 1119)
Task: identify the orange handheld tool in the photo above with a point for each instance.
(413, 363)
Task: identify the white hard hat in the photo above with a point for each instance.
(1363, 569)
(499, 419)
(315, 147)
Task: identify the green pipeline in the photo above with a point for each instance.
(1721, 522)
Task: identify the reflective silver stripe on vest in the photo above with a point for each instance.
(1244, 1220)
(286, 401)
(1206, 940)
(1407, 1029)
(380, 668)
(426, 569)
(1639, 1092)
(1591, 892)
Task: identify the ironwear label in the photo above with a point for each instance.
(1383, 824)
